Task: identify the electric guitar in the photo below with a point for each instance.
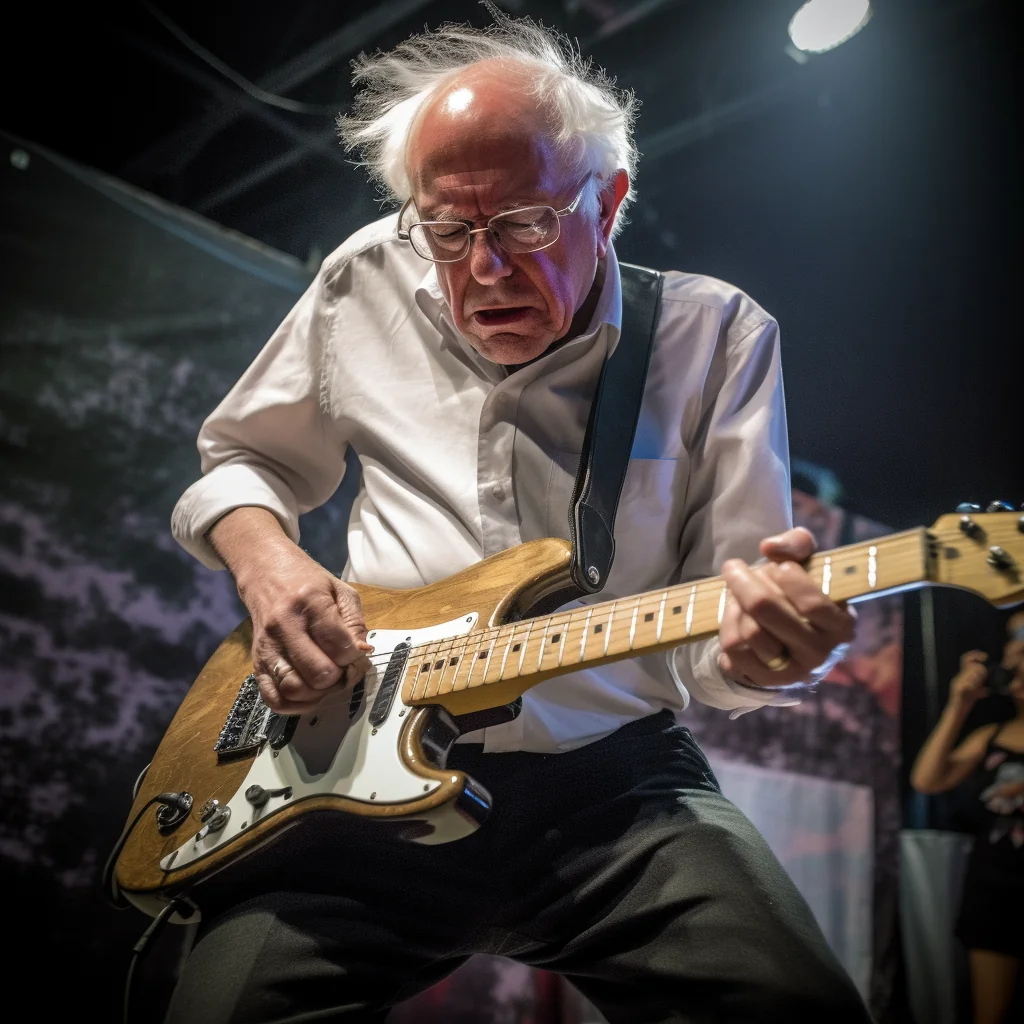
(230, 775)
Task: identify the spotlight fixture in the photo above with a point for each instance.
(822, 25)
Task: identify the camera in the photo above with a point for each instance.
(999, 679)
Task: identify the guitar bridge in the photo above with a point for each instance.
(247, 725)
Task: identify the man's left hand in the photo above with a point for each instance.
(778, 626)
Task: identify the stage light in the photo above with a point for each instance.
(822, 25)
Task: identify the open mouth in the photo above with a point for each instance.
(497, 317)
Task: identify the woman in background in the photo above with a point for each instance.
(991, 920)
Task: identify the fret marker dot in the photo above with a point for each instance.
(426, 668)
(454, 661)
(850, 569)
(678, 608)
(516, 647)
(439, 664)
(649, 617)
(482, 654)
(556, 638)
(599, 627)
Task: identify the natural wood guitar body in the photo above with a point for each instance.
(498, 590)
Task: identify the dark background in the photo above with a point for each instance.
(869, 198)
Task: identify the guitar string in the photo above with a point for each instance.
(708, 587)
(702, 590)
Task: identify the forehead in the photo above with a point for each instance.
(480, 153)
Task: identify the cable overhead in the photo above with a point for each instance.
(243, 83)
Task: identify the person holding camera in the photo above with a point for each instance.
(991, 761)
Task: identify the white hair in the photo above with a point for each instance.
(591, 121)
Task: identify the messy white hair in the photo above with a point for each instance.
(590, 120)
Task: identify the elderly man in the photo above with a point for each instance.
(456, 348)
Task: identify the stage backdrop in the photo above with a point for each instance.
(123, 320)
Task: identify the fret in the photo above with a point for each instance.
(826, 576)
(661, 616)
(472, 665)
(508, 647)
(872, 566)
(608, 628)
(721, 604)
(565, 636)
(689, 610)
(632, 625)
(586, 630)
(552, 644)
(543, 642)
(525, 643)
(423, 678)
(430, 676)
(490, 653)
(451, 654)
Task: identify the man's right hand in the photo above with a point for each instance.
(308, 632)
(967, 687)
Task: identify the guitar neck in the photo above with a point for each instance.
(519, 655)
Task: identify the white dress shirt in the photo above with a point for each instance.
(462, 459)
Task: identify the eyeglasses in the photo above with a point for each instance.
(524, 230)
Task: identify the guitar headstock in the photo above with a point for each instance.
(981, 551)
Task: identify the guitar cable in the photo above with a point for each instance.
(177, 906)
(176, 801)
(112, 892)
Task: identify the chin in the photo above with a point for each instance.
(511, 349)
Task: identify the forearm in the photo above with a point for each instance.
(250, 541)
(931, 769)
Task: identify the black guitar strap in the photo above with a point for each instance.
(603, 461)
(611, 429)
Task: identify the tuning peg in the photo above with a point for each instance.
(967, 507)
(998, 558)
(999, 506)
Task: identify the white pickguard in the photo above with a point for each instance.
(334, 750)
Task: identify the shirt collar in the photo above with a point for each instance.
(607, 312)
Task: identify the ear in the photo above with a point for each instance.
(611, 197)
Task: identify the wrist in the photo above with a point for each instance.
(251, 543)
(958, 709)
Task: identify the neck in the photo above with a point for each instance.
(496, 665)
(583, 316)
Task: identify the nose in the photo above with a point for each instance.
(488, 262)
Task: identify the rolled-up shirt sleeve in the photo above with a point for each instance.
(738, 492)
(269, 443)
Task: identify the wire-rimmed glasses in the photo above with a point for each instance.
(522, 230)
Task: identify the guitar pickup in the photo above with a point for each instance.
(389, 685)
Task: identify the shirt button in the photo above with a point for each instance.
(499, 492)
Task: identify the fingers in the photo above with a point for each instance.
(304, 645)
(795, 545)
(778, 611)
(972, 657)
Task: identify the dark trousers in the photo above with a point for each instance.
(619, 865)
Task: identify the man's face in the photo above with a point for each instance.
(479, 150)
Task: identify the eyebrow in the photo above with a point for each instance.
(445, 213)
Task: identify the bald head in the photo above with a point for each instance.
(476, 119)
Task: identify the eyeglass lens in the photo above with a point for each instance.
(516, 231)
